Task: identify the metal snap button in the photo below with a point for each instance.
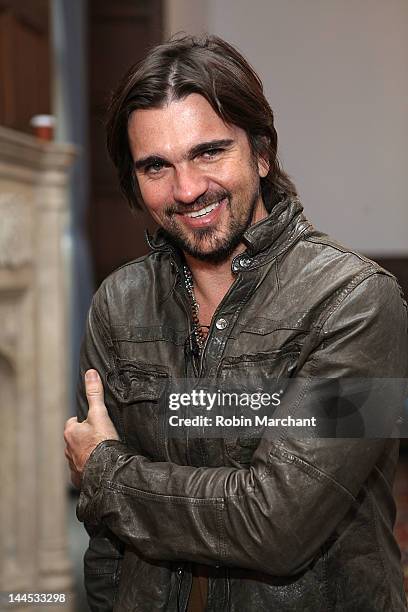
(221, 323)
(245, 262)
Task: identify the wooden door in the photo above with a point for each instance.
(119, 34)
(24, 62)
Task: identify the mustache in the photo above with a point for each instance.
(206, 199)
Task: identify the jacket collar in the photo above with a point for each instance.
(284, 212)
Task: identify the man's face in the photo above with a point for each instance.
(197, 176)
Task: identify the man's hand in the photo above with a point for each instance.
(82, 438)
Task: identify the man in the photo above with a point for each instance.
(238, 283)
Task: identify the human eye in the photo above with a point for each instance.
(154, 167)
(212, 153)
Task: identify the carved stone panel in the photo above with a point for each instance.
(15, 231)
(33, 369)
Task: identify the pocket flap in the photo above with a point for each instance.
(134, 382)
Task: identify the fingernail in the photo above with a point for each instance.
(91, 375)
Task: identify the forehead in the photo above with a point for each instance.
(178, 126)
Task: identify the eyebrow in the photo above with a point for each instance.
(144, 162)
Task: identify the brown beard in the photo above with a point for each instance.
(226, 246)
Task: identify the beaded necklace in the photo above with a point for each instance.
(198, 329)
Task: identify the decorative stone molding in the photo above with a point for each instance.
(25, 151)
(15, 238)
(33, 367)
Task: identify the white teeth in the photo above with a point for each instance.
(203, 211)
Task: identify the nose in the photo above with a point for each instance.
(189, 183)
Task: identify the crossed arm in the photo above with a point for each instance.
(239, 517)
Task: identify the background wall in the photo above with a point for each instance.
(336, 75)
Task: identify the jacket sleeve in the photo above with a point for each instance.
(275, 515)
(103, 557)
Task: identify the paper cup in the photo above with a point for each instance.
(43, 126)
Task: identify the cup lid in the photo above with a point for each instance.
(42, 121)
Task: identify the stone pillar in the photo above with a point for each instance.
(33, 368)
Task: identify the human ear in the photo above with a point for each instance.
(262, 156)
(263, 166)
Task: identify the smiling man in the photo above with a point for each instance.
(238, 283)
(198, 177)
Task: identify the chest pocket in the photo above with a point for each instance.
(139, 390)
(253, 375)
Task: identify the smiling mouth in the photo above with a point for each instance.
(204, 211)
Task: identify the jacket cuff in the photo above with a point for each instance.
(97, 469)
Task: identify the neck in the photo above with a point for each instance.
(212, 281)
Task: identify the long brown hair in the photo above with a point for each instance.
(208, 66)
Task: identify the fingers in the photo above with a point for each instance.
(75, 479)
(94, 392)
(68, 424)
(69, 458)
(75, 476)
(82, 437)
(73, 419)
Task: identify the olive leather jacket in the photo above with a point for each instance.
(283, 524)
